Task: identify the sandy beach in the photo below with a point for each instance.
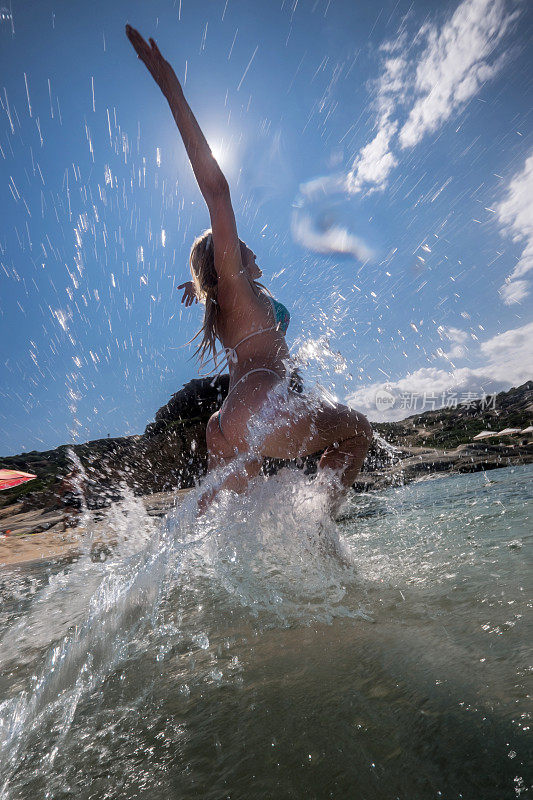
(40, 535)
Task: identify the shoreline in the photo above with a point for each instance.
(40, 536)
(24, 547)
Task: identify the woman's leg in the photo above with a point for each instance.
(243, 466)
(346, 458)
(284, 425)
(341, 433)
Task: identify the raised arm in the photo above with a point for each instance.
(213, 185)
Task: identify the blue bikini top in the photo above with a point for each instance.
(281, 315)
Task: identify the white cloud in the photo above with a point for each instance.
(507, 360)
(416, 392)
(426, 77)
(455, 64)
(373, 164)
(331, 239)
(458, 338)
(453, 334)
(510, 354)
(514, 291)
(430, 86)
(458, 351)
(323, 186)
(515, 214)
(314, 224)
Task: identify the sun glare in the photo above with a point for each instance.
(218, 153)
(222, 153)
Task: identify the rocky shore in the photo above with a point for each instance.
(171, 455)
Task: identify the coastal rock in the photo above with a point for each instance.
(200, 397)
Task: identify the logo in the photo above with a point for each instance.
(384, 400)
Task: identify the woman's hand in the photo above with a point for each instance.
(159, 68)
(189, 294)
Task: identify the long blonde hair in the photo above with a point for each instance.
(205, 279)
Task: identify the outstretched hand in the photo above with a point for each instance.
(189, 295)
(150, 55)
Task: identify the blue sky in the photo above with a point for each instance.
(380, 157)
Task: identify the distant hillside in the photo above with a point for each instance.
(172, 452)
(449, 427)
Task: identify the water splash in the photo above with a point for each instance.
(251, 552)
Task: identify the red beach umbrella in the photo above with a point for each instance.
(12, 477)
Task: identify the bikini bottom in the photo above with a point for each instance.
(295, 385)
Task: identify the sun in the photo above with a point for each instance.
(223, 150)
(219, 153)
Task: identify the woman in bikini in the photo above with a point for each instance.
(251, 326)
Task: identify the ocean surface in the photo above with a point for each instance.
(266, 652)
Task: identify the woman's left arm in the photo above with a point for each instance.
(210, 177)
(211, 180)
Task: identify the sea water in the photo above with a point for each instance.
(266, 652)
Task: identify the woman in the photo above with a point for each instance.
(261, 416)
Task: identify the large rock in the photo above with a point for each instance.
(200, 398)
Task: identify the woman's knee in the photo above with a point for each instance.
(351, 424)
